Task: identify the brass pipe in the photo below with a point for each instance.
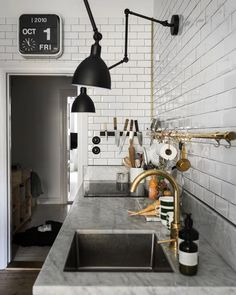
(152, 75)
(175, 225)
(228, 136)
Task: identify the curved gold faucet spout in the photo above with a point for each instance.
(175, 225)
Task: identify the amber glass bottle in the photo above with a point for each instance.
(188, 256)
(153, 188)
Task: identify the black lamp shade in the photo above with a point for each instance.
(93, 71)
(83, 103)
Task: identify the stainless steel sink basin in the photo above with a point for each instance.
(116, 251)
(112, 190)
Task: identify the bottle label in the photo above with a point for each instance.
(189, 259)
(181, 240)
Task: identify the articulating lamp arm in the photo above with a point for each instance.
(174, 26)
(125, 59)
(97, 35)
(163, 23)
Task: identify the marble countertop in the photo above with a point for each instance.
(214, 275)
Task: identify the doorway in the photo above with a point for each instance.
(39, 145)
(72, 148)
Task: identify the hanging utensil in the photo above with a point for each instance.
(131, 146)
(117, 133)
(139, 134)
(153, 123)
(122, 141)
(145, 156)
(157, 125)
(183, 163)
(180, 154)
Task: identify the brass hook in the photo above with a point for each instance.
(228, 146)
(169, 136)
(217, 142)
(176, 135)
(163, 135)
(158, 135)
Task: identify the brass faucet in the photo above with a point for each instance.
(175, 225)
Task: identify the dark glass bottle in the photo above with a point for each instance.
(188, 228)
(188, 256)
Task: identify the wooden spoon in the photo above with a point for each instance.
(132, 153)
(126, 162)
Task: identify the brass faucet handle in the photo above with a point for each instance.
(173, 244)
(166, 241)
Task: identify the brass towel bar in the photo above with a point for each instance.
(228, 136)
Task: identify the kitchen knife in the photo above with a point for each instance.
(122, 141)
(131, 133)
(139, 134)
(104, 127)
(157, 125)
(117, 133)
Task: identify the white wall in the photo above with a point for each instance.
(131, 88)
(74, 8)
(77, 41)
(195, 87)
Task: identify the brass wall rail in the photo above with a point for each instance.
(228, 136)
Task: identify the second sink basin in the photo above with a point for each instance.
(116, 251)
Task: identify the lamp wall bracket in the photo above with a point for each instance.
(174, 23)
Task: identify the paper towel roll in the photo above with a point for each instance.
(168, 152)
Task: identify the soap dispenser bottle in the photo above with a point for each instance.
(188, 229)
(188, 256)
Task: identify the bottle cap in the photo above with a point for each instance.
(188, 221)
(167, 193)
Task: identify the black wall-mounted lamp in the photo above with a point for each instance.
(93, 71)
(83, 103)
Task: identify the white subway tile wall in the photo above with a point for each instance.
(195, 90)
(130, 94)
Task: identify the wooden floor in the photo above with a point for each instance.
(18, 282)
